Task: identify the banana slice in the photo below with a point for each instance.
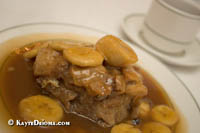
(60, 46)
(115, 51)
(40, 108)
(83, 56)
(124, 128)
(154, 127)
(143, 109)
(164, 114)
(32, 53)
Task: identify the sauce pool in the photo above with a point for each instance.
(17, 82)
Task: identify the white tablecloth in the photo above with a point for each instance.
(105, 15)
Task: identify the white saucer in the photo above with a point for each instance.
(132, 24)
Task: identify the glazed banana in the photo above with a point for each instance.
(154, 127)
(62, 46)
(83, 56)
(138, 90)
(143, 109)
(40, 108)
(33, 52)
(164, 114)
(115, 51)
(124, 128)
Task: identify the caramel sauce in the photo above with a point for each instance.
(17, 82)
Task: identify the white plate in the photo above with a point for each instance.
(176, 90)
(132, 25)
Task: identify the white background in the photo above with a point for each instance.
(105, 15)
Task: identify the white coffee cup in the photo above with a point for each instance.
(171, 25)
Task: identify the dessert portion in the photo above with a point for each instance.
(100, 83)
(97, 82)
